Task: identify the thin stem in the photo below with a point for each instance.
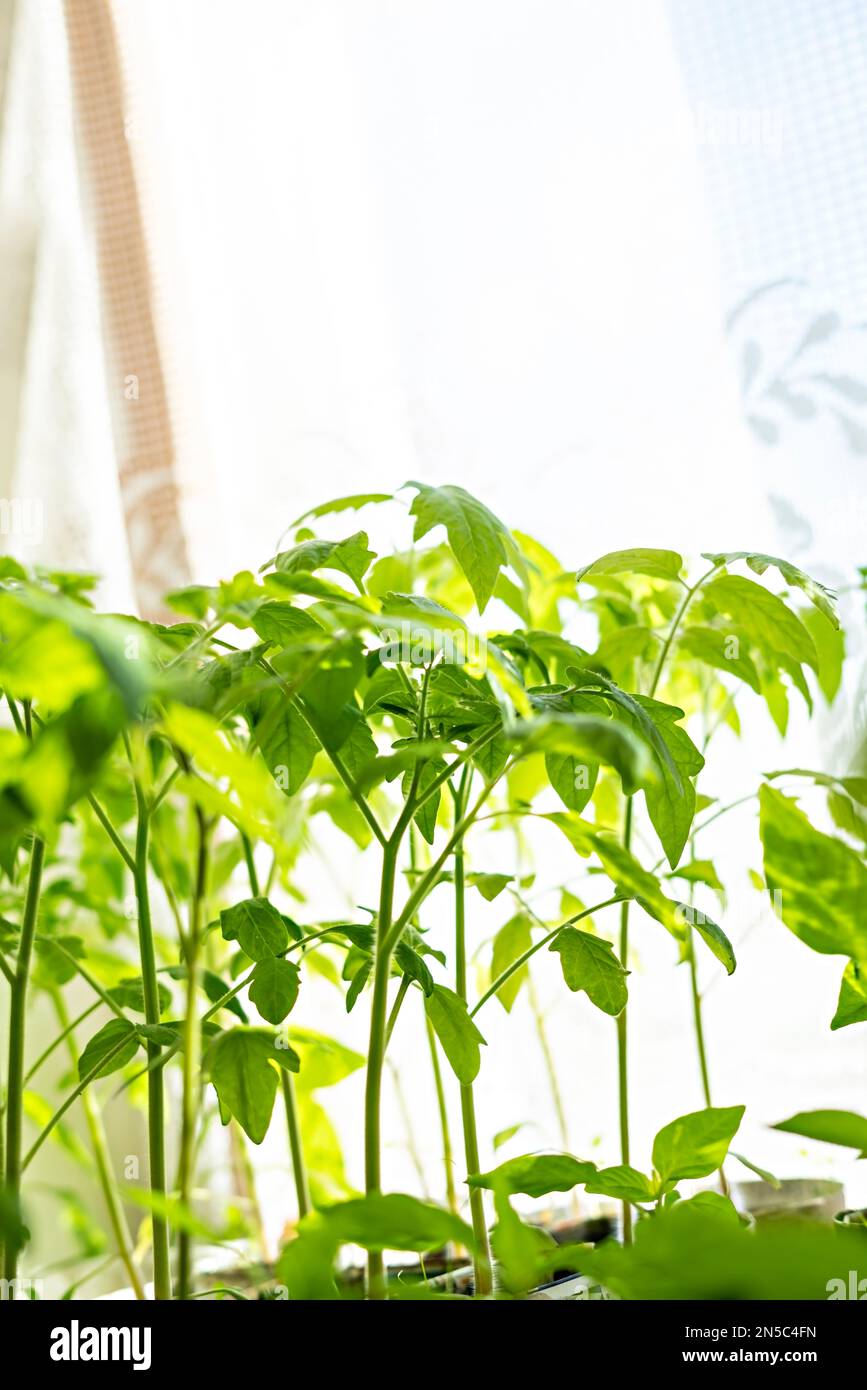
(676, 622)
(434, 785)
(293, 1126)
(95, 1071)
(17, 1030)
(697, 1017)
(150, 986)
(622, 1049)
(378, 1038)
(442, 1111)
(191, 1090)
(251, 864)
(109, 828)
(101, 1155)
(550, 1069)
(68, 1028)
(376, 1058)
(13, 710)
(105, 996)
(396, 1006)
(429, 879)
(482, 1278)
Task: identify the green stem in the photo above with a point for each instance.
(376, 1057)
(548, 1057)
(69, 1028)
(481, 1253)
(191, 1091)
(402, 989)
(442, 1110)
(378, 1038)
(101, 1156)
(431, 876)
(675, 624)
(110, 830)
(156, 1114)
(697, 1017)
(622, 1050)
(299, 1169)
(251, 864)
(96, 1070)
(17, 1023)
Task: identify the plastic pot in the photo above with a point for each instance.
(800, 1199)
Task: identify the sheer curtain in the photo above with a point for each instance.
(448, 242)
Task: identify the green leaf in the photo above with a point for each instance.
(535, 1175)
(118, 1033)
(286, 740)
(692, 1253)
(510, 942)
(830, 648)
(489, 885)
(634, 709)
(764, 617)
(852, 1003)
(283, 624)
(274, 988)
(129, 994)
(818, 594)
(426, 817)
(762, 1173)
(257, 926)
(503, 1136)
(479, 541)
(831, 1127)
(671, 799)
(573, 779)
(694, 1145)
(716, 648)
(353, 503)
(305, 1264)
(215, 988)
(712, 935)
(699, 871)
(242, 1064)
(519, 1248)
(589, 740)
(658, 564)
(54, 958)
(411, 963)
(324, 1061)
(629, 877)
(589, 964)
(623, 1183)
(350, 556)
(459, 1036)
(821, 882)
(394, 1221)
